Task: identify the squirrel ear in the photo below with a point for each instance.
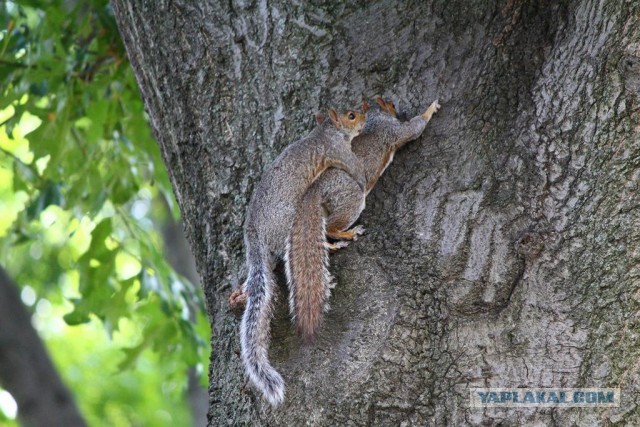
(320, 118)
(381, 102)
(365, 106)
(334, 118)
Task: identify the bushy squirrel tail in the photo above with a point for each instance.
(254, 329)
(306, 264)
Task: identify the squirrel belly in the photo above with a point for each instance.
(343, 204)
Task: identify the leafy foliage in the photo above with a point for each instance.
(82, 186)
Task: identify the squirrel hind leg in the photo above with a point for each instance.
(351, 234)
(335, 247)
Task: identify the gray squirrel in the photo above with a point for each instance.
(267, 229)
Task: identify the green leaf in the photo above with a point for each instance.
(71, 72)
(50, 138)
(117, 307)
(124, 187)
(97, 249)
(39, 89)
(24, 177)
(49, 195)
(79, 315)
(131, 354)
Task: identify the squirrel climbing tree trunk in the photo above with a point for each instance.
(502, 247)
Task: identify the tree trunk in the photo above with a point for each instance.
(502, 246)
(26, 370)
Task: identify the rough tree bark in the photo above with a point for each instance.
(502, 247)
(26, 370)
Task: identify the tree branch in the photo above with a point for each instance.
(26, 370)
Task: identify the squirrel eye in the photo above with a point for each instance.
(352, 116)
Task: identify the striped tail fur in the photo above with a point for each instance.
(254, 330)
(306, 264)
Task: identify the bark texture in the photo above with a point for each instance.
(26, 371)
(502, 246)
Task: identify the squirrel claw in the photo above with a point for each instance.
(334, 247)
(358, 230)
(433, 108)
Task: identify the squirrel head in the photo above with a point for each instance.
(350, 122)
(388, 107)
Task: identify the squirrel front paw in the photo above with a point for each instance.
(433, 108)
